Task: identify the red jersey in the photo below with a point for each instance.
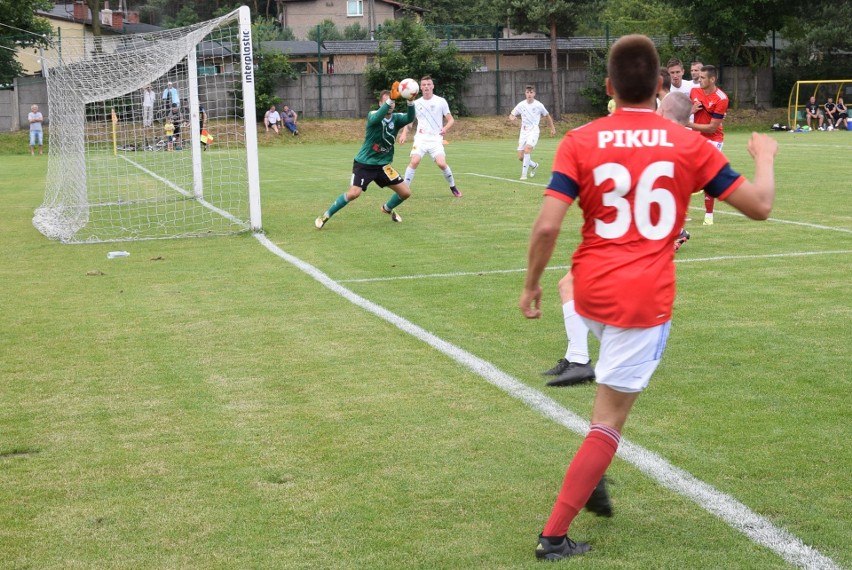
(633, 173)
(714, 106)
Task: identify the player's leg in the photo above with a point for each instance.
(389, 177)
(576, 367)
(416, 155)
(628, 359)
(361, 178)
(527, 161)
(439, 156)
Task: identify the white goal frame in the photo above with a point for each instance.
(97, 188)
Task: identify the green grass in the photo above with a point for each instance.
(204, 404)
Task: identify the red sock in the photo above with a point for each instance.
(584, 473)
(708, 203)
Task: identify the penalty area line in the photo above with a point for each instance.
(734, 513)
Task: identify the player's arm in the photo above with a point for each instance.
(375, 117)
(542, 243)
(449, 121)
(755, 199)
(550, 124)
(709, 128)
(403, 134)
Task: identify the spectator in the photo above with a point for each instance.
(36, 132)
(813, 113)
(271, 118)
(148, 98)
(842, 115)
(289, 116)
(171, 97)
(830, 113)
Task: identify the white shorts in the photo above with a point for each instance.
(628, 357)
(431, 146)
(528, 138)
(717, 144)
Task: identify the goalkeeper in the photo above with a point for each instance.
(373, 161)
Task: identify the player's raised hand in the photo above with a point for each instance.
(762, 145)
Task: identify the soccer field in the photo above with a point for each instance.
(369, 395)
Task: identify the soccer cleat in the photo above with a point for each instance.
(681, 239)
(533, 168)
(546, 549)
(561, 365)
(708, 219)
(523, 178)
(394, 216)
(599, 502)
(456, 192)
(574, 374)
(320, 222)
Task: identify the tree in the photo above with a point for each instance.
(418, 54)
(272, 67)
(726, 28)
(328, 31)
(551, 17)
(356, 32)
(22, 29)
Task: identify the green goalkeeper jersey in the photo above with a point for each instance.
(381, 135)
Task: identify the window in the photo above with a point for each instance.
(354, 7)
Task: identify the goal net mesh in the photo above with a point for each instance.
(177, 165)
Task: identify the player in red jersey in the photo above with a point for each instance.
(709, 107)
(633, 173)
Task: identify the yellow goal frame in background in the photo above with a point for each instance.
(793, 104)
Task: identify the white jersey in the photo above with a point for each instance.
(430, 117)
(530, 114)
(685, 88)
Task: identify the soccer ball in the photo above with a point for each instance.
(408, 88)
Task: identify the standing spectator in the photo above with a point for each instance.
(676, 70)
(842, 114)
(36, 131)
(373, 161)
(621, 250)
(709, 108)
(814, 114)
(531, 111)
(170, 96)
(148, 98)
(271, 119)
(289, 116)
(830, 113)
(433, 121)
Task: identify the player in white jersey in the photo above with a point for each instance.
(432, 112)
(530, 111)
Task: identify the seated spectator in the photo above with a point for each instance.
(289, 117)
(842, 115)
(813, 113)
(271, 118)
(830, 113)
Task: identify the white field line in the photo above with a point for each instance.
(565, 267)
(776, 220)
(731, 511)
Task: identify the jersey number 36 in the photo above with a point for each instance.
(645, 196)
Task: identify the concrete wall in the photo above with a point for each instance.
(344, 95)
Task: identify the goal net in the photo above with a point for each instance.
(153, 136)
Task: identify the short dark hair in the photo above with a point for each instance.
(673, 62)
(383, 93)
(529, 88)
(710, 70)
(634, 68)
(425, 77)
(667, 79)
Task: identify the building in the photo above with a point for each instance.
(303, 15)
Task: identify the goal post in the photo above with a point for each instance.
(805, 89)
(130, 154)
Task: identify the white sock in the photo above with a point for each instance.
(526, 165)
(409, 175)
(578, 334)
(448, 174)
